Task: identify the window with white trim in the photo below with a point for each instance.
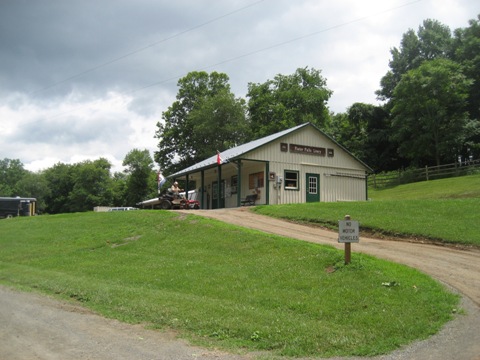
(312, 185)
(291, 180)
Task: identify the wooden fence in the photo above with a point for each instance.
(405, 176)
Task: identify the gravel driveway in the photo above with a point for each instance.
(38, 327)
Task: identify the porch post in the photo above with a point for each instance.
(239, 183)
(202, 190)
(266, 181)
(219, 185)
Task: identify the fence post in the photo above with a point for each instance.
(426, 171)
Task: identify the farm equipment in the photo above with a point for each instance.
(170, 200)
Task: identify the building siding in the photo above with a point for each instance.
(341, 176)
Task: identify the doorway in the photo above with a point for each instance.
(215, 195)
(312, 187)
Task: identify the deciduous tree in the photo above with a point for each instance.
(91, 185)
(205, 117)
(60, 179)
(365, 130)
(466, 51)
(34, 185)
(11, 171)
(140, 180)
(287, 101)
(433, 40)
(429, 112)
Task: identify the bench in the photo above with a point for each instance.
(249, 200)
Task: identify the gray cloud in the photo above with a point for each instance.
(71, 130)
(81, 72)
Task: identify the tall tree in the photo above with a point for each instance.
(11, 171)
(119, 189)
(288, 100)
(205, 117)
(140, 176)
(34, 185)
(218, 123)
(60, 181)
(433, 40)
(365, 130)
(466, 51)
(91, 185)
(78, 187)
(429, 112)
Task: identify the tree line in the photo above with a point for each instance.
(80, 187)
(430, 114)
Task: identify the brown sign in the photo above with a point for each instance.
(310, 150)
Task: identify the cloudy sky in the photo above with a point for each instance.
(84, 79)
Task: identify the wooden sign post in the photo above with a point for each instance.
(348, 233)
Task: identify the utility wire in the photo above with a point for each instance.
(282, 43)
(175, 77)
(112, 61)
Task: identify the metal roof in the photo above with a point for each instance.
(239, 151)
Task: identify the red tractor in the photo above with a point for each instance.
(170, 200)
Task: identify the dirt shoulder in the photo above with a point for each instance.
(38, 327)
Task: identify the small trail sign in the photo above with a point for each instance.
(348, 231)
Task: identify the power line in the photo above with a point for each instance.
(254, 52)
(112, 61)
(175, 77)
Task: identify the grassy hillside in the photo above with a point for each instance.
(441, 210)
(221, 285)
(464, 187)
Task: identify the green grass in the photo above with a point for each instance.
(441, 210)
(465, 187)
(223, 286)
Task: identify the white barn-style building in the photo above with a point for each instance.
(298, 165)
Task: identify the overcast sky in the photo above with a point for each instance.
(84, 79)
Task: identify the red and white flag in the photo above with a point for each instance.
(219, 158)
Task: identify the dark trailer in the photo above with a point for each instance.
(17, 206)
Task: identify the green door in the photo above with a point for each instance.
(215, 194)
(313, 187)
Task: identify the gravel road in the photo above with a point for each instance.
(38, 327)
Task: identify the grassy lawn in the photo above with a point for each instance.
(465, 187)
(444, 210)
(223, 286)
